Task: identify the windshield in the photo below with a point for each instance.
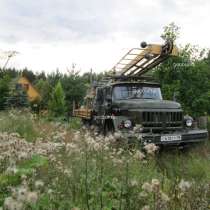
(136, 92)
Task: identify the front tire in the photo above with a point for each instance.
(108, 128)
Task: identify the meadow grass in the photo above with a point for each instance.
(90, 172)
(20, 122)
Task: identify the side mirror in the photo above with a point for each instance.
(175, 96)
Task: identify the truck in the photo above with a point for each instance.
(129, 101)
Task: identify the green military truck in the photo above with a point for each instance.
(130, 102)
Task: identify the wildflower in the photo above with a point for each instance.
(139, 155)
(115, 180)
(23, 177)
(137, 128)
(39, 184)
(12, 170)
(12, 204)
(143, 195)
(22, 156)
(68, 172)
(155, 185)
(184, 185)
(14, 193)
(21, 193)
(164, 197)
(97, 146)
(151, 148)
(147, 187)
(117, 135)
(77, 136)
(146, 207)
(15, 135)
(50, 191)
(134, 183)
(7, 202)
(117, 161)
(32, 197)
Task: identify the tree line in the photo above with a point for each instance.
(185, 78)
(58, 90)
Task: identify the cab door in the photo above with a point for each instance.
(99, 100)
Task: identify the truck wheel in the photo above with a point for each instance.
(86, 123)
(108, 128)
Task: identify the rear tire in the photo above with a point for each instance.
(108, 128)
(86, 123)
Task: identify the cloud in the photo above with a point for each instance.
(49, 20)
(55, 33)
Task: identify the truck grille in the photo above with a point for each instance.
(162, 120)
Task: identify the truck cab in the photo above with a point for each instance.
(137, 110)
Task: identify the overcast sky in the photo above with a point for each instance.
(52, 34)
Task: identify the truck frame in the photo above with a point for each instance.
(130, 102)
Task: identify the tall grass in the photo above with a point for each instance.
(20, 122)
(91, 172)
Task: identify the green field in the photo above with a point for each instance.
(51, 165)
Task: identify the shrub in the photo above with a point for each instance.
(57, 106)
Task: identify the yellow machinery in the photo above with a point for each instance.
(140, 60)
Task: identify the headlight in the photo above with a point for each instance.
(127, 124)
(189, 122)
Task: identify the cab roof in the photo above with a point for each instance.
(146, 83)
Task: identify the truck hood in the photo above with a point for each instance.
(145, 104)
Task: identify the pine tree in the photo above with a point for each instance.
(57, 106)
(4, 90)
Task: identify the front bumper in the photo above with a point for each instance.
(187, 137)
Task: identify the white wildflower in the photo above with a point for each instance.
(164, 197)
(155, 185)
(32, 197)
(77, 136)
(23, 155)
(11, 204)
(147, 187)
(67, 172)
(117, 161)
(23, 177)
(151, 148)
(118, 135)
(97, 146)
(184, 185)
(50, 191)
(139, 155)
(75, 208)
(39, 184)
(143, 195)
(134, 183)
(12, 170)
(147, 207)
(14, 193)
(21, 193)
(137, 128)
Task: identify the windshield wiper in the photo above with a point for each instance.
(132, 97)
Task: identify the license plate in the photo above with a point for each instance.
(171, 138)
